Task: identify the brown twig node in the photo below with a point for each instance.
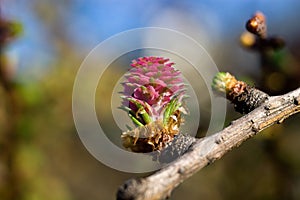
(257, 38)
(257, 25)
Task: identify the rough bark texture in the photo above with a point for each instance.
(206, 150)
(248, 100)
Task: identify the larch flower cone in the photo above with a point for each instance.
(153, 97)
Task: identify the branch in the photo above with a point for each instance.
(206, 150)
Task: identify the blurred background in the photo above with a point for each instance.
(41, 155)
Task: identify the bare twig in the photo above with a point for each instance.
(205, 151)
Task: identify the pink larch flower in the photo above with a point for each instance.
(153, 94)
(152, 82)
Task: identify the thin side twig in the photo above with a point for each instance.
(205, 151)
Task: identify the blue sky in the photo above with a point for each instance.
(88, 22)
